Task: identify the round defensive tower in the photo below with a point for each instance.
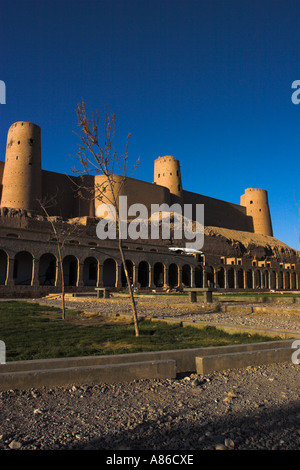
(21, 184)
(257, 206)
(167, 173)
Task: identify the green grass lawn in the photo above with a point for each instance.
(32, 331)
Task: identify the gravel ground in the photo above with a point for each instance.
(255, 408)
(248, 409)
(287, 316)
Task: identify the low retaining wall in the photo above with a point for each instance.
(119, 368)
(259, 298)
(275, 308)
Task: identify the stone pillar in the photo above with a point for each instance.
(262, 279)
(192, 276)
(151, 275)
(253, 279)
(100, 275)
(134, 275)
(215, 278)
(208, 297)
(204, 277)
(118, 275)
(10, 272)
(179, 277)
(277, 279)
(58, 276)
(166, 277)
(225, 278)
(35, 272)
(80, 282)
(235, 278)
(268, 279)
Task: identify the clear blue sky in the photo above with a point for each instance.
(208, 81)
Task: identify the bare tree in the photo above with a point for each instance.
(100, 158)
(63, 232)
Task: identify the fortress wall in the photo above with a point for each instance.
(59, 187)
(83, 202)
(219, 213)
(137, 191)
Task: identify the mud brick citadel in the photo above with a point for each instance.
(239, 252)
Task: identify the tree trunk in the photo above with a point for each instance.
(133, 305)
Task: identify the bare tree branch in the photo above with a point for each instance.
(96, 158)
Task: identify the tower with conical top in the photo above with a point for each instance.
(22, 176)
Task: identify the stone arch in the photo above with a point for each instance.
(3, 267)
(129, 266)
(230, 278)
(273, 280)
(209, 276)
(221, 277)
(70, 268)
(280, 280)
(23, 268)
(186, 275)
(47, 270)
(249, 279)
(90, 271)
(158, 274)
(109, 273)
(173, 275)
(143, 274)
(287, 280)
(199, 276)
(240, 279)
(257, 279)
(293, 281)
(266, 282)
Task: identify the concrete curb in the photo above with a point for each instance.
(91, 374)
(218, 362)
